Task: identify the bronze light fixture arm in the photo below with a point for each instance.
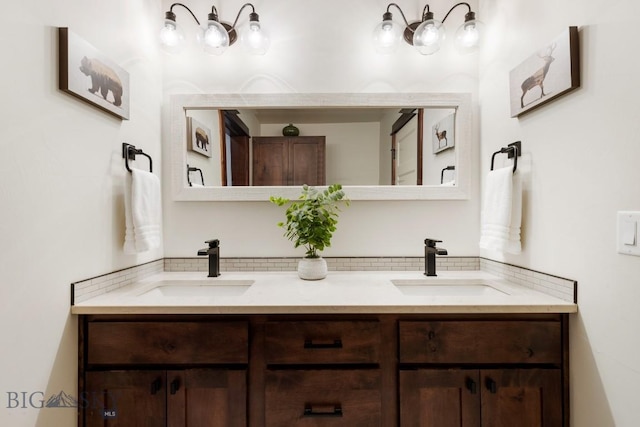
(252, 15)
(387, 15)
(172, 16)
(469, 16)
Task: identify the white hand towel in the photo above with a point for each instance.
(142, 212)
(502, 212)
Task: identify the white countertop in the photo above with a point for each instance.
(340, 292)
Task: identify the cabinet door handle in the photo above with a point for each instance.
(156, 385)
(491, 385)
(175, 386)
(322, 410)
(334, 344)
(471, 386)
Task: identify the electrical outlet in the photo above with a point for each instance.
(629, 233)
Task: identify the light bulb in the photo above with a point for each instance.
(171, 37)
(428, 37)
(468, 36)
(386, 35)
(254, 39)
(215, 38)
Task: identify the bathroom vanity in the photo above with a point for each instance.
(352, 350)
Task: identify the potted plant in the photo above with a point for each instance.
(311, 221)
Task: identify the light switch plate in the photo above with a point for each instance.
(628, 233)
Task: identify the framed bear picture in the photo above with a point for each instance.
(199, 137)
(87, 74)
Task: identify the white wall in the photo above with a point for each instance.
(308, 55)
(61, 186)
(580, 165)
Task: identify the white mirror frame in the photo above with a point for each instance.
(178, 143)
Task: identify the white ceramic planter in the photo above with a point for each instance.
(312, 268)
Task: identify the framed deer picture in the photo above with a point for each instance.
(442, 134)
(550, 72)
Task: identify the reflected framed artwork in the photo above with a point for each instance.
(442, 134)
(550, 72)
(87, 74)
(199, 137)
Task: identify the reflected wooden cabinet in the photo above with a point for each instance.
(282, 160)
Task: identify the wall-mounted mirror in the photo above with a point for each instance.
(379, 146)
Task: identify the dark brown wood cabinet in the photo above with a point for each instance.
(303, 385)
(383, 370)
(191, 397)
(163, 372)
(282, 160)
(440, 387)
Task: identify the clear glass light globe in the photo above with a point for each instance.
(171, 37)
(428, 37)
(386, 37)
(469, 36)
(215, 39)
(254, 39)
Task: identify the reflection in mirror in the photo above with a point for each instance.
(380, 146)
(352, 146)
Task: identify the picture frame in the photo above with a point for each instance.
(547, 74)
(87, 74)
(443, 134)
(198, 137)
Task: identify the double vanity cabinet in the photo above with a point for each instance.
(355, 370)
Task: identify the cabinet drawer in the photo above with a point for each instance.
(480, 342)
(349, 398)
(116, 343)
(322, 342)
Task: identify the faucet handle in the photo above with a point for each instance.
(214, 243)
(431, 242)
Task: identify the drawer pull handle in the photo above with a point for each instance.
(175, 386)
(156, 385)
(322, 411)
(335, 344)
(491, 385)
(471, 386)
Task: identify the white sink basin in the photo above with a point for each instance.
(446, 287)
(198, 288)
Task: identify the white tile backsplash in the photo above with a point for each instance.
(564, 289)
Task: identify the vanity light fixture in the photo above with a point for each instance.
(427, 34)
(217, 36)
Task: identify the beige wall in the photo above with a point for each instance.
(61, 176)
(580, 165)
(61, 187)
(306, 55)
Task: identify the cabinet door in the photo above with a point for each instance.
(207, 398)
(440, 398)
(306, 160)
(270, 161)
(289, 160)
(521, 397)
(124, 399)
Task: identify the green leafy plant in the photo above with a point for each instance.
(312, 219)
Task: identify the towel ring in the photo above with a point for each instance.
(192, 169)
(513, 150)
(129, 152)
(448, 168)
